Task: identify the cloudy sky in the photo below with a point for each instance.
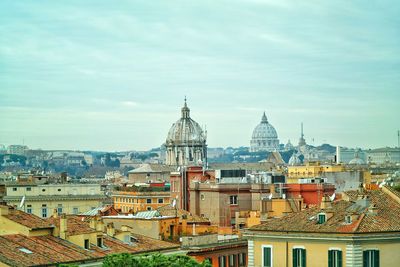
(112, 75)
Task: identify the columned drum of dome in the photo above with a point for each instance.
(264, 137)
(186, 142)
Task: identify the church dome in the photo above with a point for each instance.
(264, 129)
(264, 137)
(356, 161)
(185, 130)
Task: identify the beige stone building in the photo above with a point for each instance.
(42, 199)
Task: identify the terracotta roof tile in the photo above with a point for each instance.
(28, 220)
(75, 225)
(387, 218)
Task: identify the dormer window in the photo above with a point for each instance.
(321, 218)
(347, 219)
(100, 242)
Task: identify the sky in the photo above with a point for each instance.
(112, 75)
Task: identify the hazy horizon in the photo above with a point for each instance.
(96, 75)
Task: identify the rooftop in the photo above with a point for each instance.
(386, 218)
(28, 220)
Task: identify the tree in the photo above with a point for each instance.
(152, 260)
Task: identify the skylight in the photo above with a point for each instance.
(25, 250)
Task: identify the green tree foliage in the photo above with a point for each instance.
(152, 260)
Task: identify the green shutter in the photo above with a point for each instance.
(340, 258)
(294, 252)
(267, 257)
(303, 258)
(376, 258)
(330, 258)
(365, 258)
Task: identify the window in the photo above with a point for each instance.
(75, 210)
(29, 189)
(100, 242)
(347, 219)
(233, 200)
(29, 209)
(148, 200)
(371, 258)
(299, 257)
(44, 212)
(160, 200)
(232, 260)
(202, 196)
(43, 190)
(242, 259)
(267, 256)
(14, 189)
(321, 218)
(87, 244)
(221, 261)
(59, 209)
(335, 258)
(148, 208)
(59, 189)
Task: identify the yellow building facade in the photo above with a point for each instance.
(134, 201)
(361, 231)
(310, 170)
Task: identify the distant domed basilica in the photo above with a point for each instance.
(186, 142)
(264, 137)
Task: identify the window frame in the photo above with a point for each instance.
(299, 250)
(271, 255)
(373, 259)
(335, 257)
(233, 199)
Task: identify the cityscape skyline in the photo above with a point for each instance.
(97, 76)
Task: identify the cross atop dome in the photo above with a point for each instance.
(185, 111)
(264, 118)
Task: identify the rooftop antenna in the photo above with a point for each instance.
(398, 138)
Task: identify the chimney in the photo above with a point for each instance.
(373, 209)
(110, 229)
(63, 226)
(93, 222)
(363, 201)
(3, 210)
(100, 225)
(55, 213)
(326, 203)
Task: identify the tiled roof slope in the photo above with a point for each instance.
(49, 250)
(387, 218)
(28, 220)
(42, 250)
(75, 225)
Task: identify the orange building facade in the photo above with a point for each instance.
(134, 201)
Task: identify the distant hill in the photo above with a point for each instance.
(327, 147)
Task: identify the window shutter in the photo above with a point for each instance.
(267, 257)
(330, 258)
(340, 258)
(294, 258)
(376, 258)
(303, 258)
(365, 258)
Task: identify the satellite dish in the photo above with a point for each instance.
(21, 204)
(174, 203)
(270, 196)
(332, 198)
